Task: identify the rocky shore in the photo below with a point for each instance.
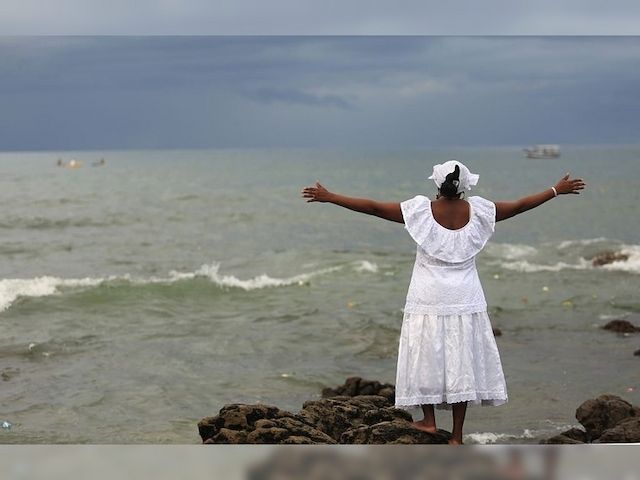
(362, 412)
(606, 419)
(358, 412)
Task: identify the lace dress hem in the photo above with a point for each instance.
(444, 401)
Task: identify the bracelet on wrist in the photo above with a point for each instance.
(555, 192)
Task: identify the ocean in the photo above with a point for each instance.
(139, 296)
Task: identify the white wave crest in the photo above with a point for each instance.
(630, 265)
(490, 437)
(261, 281)
(582, 242)
(366, 266)
(12, 289)
(528, 267)
(512, 251)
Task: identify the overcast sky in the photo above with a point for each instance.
(326, 17)
(60, 93)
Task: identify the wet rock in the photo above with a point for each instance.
(621, 326)
(368, 419)
(336, 415)
(239, 423)
(392, 432)
(571, 436)
(637, 352)
(627, 431)
(604, 258)
(286, 430)
(497, 332)
(8, 373)
(355, 386)
(603, 413)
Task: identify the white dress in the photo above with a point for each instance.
(447, 352)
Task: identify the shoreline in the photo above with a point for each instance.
(362, 412)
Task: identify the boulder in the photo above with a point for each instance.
(355, 386)
(637, 353)
(627, 431)
(603, 413)
(393, 432)
(571, 436)
(621, 326)
(239, 423)
(336, 415)
(603, 258)
(286, 430)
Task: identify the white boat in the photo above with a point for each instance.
(543, 151)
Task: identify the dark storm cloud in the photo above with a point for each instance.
(124, 92)
(294, 96)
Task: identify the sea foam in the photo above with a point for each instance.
(520, 258)
(484, 438)
(365, 266)
(11, 289)
(529, 267)
(511, 251)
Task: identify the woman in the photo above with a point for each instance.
(447, 354)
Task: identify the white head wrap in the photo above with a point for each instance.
(467, 179)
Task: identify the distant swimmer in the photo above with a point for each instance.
(74, 163)
(60, 163)
(99, 163)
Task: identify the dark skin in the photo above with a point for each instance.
(451, 213)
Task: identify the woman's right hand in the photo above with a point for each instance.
(566, 185)
(316, 194)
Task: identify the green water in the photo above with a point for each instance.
(143, 295)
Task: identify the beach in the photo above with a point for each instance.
(141, 296)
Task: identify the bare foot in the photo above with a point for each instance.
(453, 441)
(421, 426)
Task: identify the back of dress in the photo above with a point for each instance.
(447, 352)
(445, 280)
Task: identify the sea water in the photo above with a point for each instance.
(140, 296)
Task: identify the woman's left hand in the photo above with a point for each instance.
(567, 185)
(316, 194)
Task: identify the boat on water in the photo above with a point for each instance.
(73, 163)
(543, 151)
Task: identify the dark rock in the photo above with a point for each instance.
(560, 440)
(621, 326)
(603, 258)
(224, 435)
(627, 431)
(336, 415)
(603, 413)
(637, 352)
(571, 436)
(497, 332)
(355, 386)
(287, 430)
(392, 432)
(238, 423)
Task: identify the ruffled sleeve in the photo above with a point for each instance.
(485, 214)
(415, 212)
(444, 244)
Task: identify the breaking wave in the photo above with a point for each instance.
(484, 438)
(12, 289)
(527, 259)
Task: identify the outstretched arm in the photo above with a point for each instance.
(389, 210)
(506, 210)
